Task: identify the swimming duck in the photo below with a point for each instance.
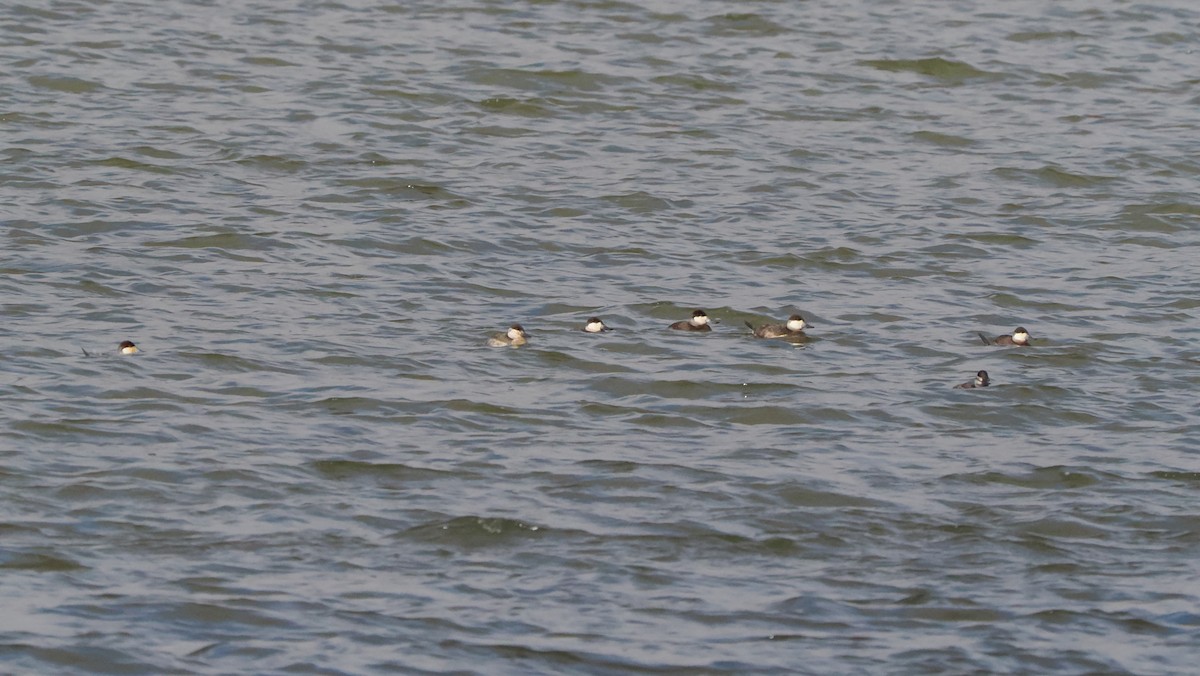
(594, 325)
(1019, 337)
(515, 336)
(981, 380)
(792, 328)
(698, 322)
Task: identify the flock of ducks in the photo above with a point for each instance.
(791, 330)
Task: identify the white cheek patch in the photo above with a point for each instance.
(514, 334)
(594, 327)
(795, 325)
(1020, 337)
(699, 321)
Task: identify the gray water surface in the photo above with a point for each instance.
(309, 216)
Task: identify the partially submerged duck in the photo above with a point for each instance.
(981, 380)
(125, 347)
(594, 325)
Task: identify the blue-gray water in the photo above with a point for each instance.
(310, 215)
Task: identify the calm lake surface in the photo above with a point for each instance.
(310, 215)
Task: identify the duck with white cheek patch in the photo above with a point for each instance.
(515, 336)
(698, 322)
(981, 380)
(594, 325)
(793, 328)
(1019, 338)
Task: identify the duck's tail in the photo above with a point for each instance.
(85, 352)
(985, 339)
(749, 326)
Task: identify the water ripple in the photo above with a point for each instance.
(309, 219)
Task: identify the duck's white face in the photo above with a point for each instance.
(129, 349)
(699, 320)
(981, 381)
(1021, 337)
(594, 327)
(515, 333)
(795, 325)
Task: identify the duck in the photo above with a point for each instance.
(981, 380)
(515, 336)
(792, 328)
(698, 322)
(1019, 338)
(594, 325)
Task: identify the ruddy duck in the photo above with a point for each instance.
(514, 337)
(127, 347)
(981, 380)
(698, 322)
(1019, 337)
(594, 325)
(793, 328)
